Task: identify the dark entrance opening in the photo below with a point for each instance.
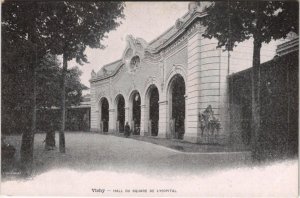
(178, 106)
(136, 113)
(104, 114)
(154, 111)
(121, 113)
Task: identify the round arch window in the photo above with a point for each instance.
(134, 63)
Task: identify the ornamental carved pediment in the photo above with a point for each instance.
(134, 53)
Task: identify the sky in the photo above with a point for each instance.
(146, 20)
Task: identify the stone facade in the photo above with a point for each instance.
(181, 52)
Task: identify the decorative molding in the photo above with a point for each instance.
(100, 83)
(176, 69)
(162, 74)
(194, 28)
(93, 74)
(178, 23)
(189, 27)
(99, 94)
(139, 47)
(152, 57)
(164, 102)
(99, 98)
(151, 80)
(176, 43)
(131, 90)
(173, 47)
(115, 96)
(134, 53)
(97, 79)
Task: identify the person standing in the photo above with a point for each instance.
(127, 130)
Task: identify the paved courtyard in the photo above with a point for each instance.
(93, 151)
(116, 163)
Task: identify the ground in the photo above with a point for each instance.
(116, 163)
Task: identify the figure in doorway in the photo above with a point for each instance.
(127, 130)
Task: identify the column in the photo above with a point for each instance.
(207, 71)
(163, 120)
(143, 120)
(112, 121)
(95, 122)
(193, 97)
(127, 115)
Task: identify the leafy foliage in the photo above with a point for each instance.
(48, 84)
(70, 26)
(16, 92)
(233, 22)
(60, 28)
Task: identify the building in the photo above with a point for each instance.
(170, 87)
(77, 116)
(160, 87)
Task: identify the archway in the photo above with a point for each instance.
(104, 115)
(120, 106)
(135, 111)
(177, 106)
(152, 117)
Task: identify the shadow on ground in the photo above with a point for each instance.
(94, 151)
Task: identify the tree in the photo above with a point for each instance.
(16, 97)
(48, 84)
(233, 22)
(17, 89)
(60, 27)
(22, 49)
(48, 93)
(73, 26)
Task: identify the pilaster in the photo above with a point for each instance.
(163, 120)
(193, 95)
(112, 121)
(127, 115)
(143, 120)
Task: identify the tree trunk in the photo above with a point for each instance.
(28, 133)
(62, 146)
(255, 86)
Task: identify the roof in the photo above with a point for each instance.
(161, 41)
(155, 43)
(288, 47)
(109, 68)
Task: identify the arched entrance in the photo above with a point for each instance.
(176, 100)
(120, 106)
(135, 111)
(104, 115)
(152, 110)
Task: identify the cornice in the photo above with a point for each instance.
(100, 78)
(183, 28)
